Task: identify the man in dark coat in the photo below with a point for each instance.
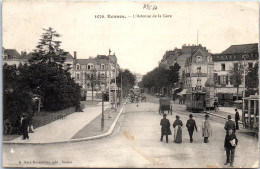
(230, 125)
(165, 123)
(24, 126)
(236, 119)
(230, 145)
(191, 124)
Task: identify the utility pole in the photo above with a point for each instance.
(109, 81)
(116, 85)
(121, 89)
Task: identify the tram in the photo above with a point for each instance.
(199, 99)
(250, 112)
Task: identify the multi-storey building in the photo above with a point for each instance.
(96, 71)
(12, 57)
(230, 59)
(198, 69)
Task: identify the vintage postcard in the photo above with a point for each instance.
(94, 84)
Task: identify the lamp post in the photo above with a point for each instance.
(103, 89)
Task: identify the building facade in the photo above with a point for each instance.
(245, 55)
(96, 71)
(198, 69)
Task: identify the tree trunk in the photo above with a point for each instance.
(237, 92)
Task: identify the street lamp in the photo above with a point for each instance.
(103, 89)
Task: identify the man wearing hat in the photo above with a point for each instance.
(206, 129)
(230, 145)
(237, 118)
(24, 126)
(165, 130)
(191, 124)
(230, 125)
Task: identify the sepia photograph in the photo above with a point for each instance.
(130, 84)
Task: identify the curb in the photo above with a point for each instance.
(240, 122)
(77, 140)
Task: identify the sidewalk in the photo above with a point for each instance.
(63, 129)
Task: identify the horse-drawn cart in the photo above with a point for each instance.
(165, 104)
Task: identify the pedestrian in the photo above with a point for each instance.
(236, 119)
(216, 105)
(165, 130)
(206, 129)
(191, 124)
(230, 146)
(7, 126)
(177, 125)
(24, 126)
(30, 124)
(230, 125)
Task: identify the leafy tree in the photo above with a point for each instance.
(17, 98)
(128, 80)
(161, 77)
(236, 75)
(252, 80)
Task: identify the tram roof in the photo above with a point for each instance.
(252, 97)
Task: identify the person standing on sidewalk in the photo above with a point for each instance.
(236, 119)
(165, 130)
(24, 126)
(206, 129)
(216, 105)
(230, 125)
(230, 145)
(191, 124)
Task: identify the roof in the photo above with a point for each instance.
(12, 53)
(67, 55)
(243, 48)
(93, 61)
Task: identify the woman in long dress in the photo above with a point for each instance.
(206, 129)
(177, 125)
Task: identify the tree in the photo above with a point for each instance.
(48, 49)
(16, 96)
(48, 79)
(252, 80)
(236, 75)
(128, 80)
(161, 77)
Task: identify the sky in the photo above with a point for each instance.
(139, 43)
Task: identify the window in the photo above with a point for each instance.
(89, 67)
(223, 67)
(235, 66)
(223, 80)
(102, 67)
(77, 77)
(78, 67)
(199, 82)
(199, 59)
(199, 70)
(250, 65)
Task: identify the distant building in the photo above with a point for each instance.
(139, 77)
(95, 70)
(230, 59)
(198, 69)
(12, 57)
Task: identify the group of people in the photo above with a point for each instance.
(191, 127)
(23, 125)
(230, 127)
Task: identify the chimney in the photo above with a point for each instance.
(75, 55)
